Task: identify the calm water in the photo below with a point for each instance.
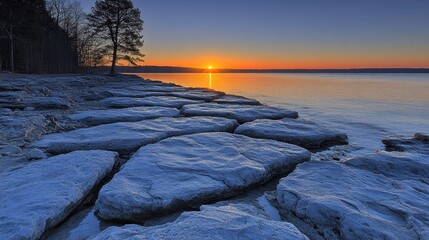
(365, 106)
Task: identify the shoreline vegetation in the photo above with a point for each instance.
(57, 36)
(84, 155)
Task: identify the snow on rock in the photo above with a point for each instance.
(181, 171)
(41, 194)
(129, 136)
(419, 142)
(226, 222)
(96, 117)
(295, 131)
(199, 94)
(232, 99)
(337, 201)
(241, 113)
(162, 101)
(48, 103)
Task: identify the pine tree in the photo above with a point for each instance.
(118, 24)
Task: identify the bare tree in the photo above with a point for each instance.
(118, 24)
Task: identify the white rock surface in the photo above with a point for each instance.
(232, 99)
(181, 171)
(395, 165)
(199, 94)
(35, 154)
(241, 113)
(41, 194)
(338, 201)
(419, 142)
(295, 131)
(227, 222)
(8, 150)
(96, 117)
(47, 103)
(129, 136)
(162, 101)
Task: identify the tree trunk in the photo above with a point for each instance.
(112, 69)
(12, 68)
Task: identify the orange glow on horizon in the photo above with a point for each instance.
(296, 62)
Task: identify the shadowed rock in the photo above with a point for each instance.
(127, 137)
(295, 131)
(47, 103)
(241, 113)
(419, 142)
(226, 222)
(41, 194)
(16, 127)
(181, 171)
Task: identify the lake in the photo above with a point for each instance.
(365, 106)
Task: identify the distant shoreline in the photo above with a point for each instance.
(167, 69)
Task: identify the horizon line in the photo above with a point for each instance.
(177, 69)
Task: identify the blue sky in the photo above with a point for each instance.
(285, 34)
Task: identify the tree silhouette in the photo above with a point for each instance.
(118, 23)
(31, 41)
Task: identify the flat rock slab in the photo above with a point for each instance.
(48, 103)
(162, 101)
(160, 88)
(419, 142)
(226, 222)
(127, 137)
(182, 171)
(232, 99)
(241, 113)
(199, 94)
(41, 194)
(394, 165)
(96, 117)
(343, 202)
(135, 93)
(295, 131)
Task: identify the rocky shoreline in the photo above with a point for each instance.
(92, 156)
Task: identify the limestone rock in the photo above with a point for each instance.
(241, 113)
(41, 194)
(295, 131)
(181, 171)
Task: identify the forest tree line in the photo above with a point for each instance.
(56, 36)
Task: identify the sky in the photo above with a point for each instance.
(285, 33)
